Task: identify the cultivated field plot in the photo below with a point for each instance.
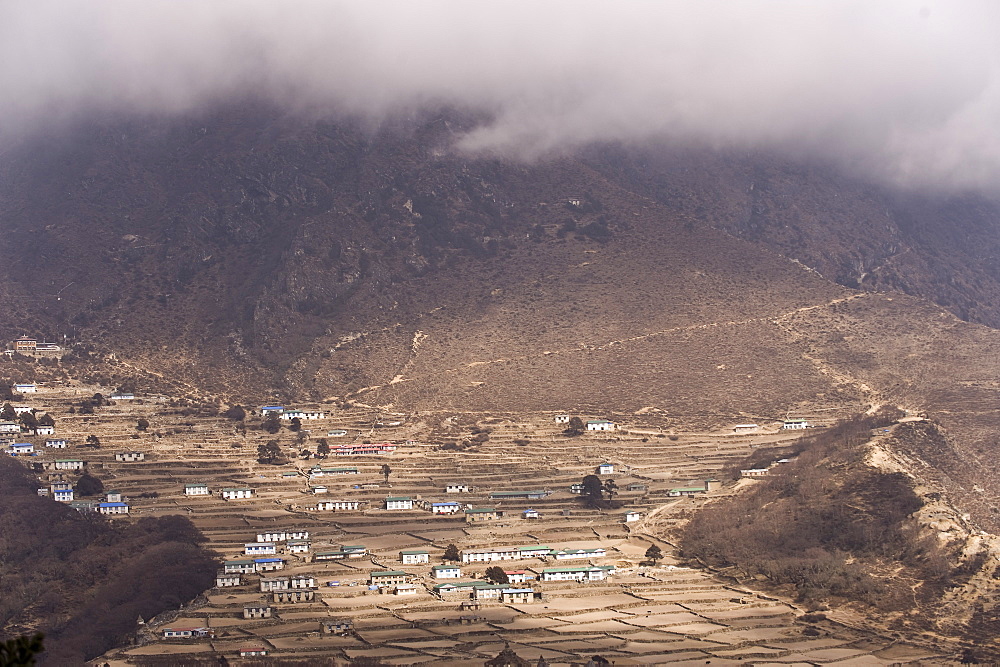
(630, 612)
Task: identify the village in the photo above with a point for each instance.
(429, 538)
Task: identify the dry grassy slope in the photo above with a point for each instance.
(915, 354)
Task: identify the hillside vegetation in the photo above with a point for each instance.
(83, 580)
(833, 527)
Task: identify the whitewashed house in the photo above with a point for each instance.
(398, 503)
(445, 508)
(318, 489)
(196, 489)
(256, 611)
(517, 576)
(68, 464)
(601, 425)
(414, 557)
(632, 516)
(580, 573)
(130, 456)
(269, 584)
(10, 427)
(272, 536)
(302, 581)
(794, 424)
(21, 449)
(239, 567)
(45, 430)
(268, 564)
(606, 469)
(297, 546)
(259, 549)
(446, 572)
(457, 488)
(26, 388)
(297, 534)
(56, 443)
(237, 494)
(113, 508)
(62, 495)
(338, 505)
(529, 514)
(224, 580)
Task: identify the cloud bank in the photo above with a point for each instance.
(907, 91)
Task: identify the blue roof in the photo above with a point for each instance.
(441, 504)
(273, 407)
(113, 505)
(267, 560)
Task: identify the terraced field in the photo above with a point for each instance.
(641, 614)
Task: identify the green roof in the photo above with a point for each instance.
(238, 562)
(190, 486)
(397, 498)
(688, 488)
(388, 573)
(480, 509)
(446, 567)
(410, 553)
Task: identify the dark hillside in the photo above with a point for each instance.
(84, 580)
(245, 251)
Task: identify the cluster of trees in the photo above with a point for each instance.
(29, 420)
(594, 490)
(84, 580)
(826, 523)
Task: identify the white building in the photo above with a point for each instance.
(63, 495)
(562, 419)
(269, 584)
(113, 508)
(303, 415)
(56, 443)
(338, 505)
(10, 427)
(302, 581)
(582, 573)
(224, 580)
(259, 549)
(130, 456)
(398, 503)
(606, 469)
(26, 388)
(445, 508)
(457, 488)
(21, 448)
(68, 464)
(272, 536)
(297, 546)
(45, 430)
(197, 489)
(745, 428)
(414, 557)
(601, 425)
(632, 516)
(446, 571)
(794, 424)
(237, 494)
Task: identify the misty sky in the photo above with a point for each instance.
(908, 91)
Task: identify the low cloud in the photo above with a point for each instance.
(906, 91)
